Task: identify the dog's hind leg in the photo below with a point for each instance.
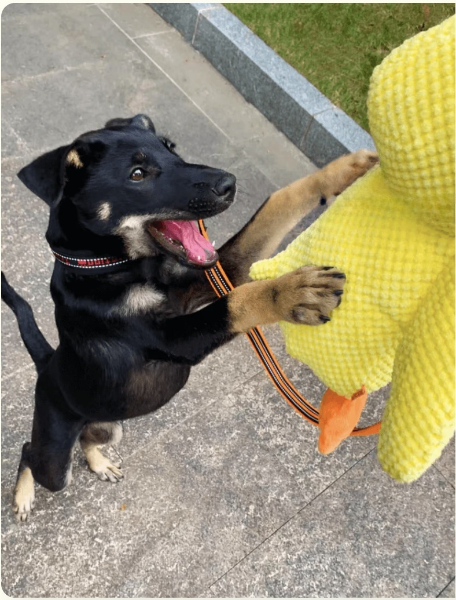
(92, 437)
(47, 459)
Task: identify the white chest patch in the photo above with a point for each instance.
(137, 240)
(139, 299)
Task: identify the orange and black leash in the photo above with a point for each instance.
(222, 286)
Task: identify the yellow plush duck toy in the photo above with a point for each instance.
(392, 233)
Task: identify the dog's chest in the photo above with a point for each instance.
(140, 299)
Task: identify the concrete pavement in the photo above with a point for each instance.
(224, 493)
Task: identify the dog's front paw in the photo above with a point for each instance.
(308, 295)
(102, 466)
(341, 173)
(24, 495)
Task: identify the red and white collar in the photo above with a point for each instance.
(90, 263)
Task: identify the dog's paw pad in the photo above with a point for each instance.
(103, 467)
(111, 473)
(341, 173)
(23, 509)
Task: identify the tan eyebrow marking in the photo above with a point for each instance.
(74, 159)
(139, 157)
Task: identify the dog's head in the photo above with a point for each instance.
(124, 181)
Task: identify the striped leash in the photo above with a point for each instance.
(222, 286)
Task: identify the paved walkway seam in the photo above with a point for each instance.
(132, 40)
(297, 108)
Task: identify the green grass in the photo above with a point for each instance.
(337, 46)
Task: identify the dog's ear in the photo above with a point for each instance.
(142, 121)
(65, 167)
(44, 176)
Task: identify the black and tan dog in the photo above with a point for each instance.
(133, 307)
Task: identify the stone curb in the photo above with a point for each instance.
(317, 127)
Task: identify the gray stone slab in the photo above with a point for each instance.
(101, 526)
(317, 141)
(24, 220)
(262, 57)
(223, 479)
(14, 354)
(17, 413)
(229, 497)
(449, 591)
(445, 464)
(12, 144)
(27, 9)
(293, 440)
(199, 487)
(27, 263)
(225, 455)
(84, 97)
(286, 98)
(183, 17)
(137, 21)
(363, 537)
(86, 537)
(330, 135)
(287, 166)
(221, 373)
(56, 39)
(207, 87)
(340, 126)
(76, 94)
(214, 39)
(253, 189)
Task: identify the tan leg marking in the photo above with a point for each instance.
(286, 207)
(102, 466)
(304, 296)
(94, 436)
(24, 495)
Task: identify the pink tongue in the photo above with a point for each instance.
(199, 250)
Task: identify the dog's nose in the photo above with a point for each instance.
(225, 185)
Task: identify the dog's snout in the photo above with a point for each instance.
(225, 185)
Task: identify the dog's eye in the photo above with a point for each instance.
(137, 174)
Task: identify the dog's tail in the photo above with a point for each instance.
(34, 340)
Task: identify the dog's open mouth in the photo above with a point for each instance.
(183, 239)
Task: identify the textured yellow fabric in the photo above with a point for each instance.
(392, 233)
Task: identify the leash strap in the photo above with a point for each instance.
(222, 286)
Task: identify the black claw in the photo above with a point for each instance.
(327, 268)
(339, 275)
(338, 304)
(324, 319)
(322, 200)
(338, 292)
